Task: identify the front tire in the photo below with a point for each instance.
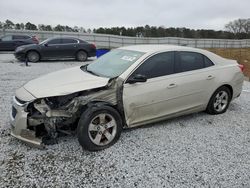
(81, 56)
(33, 56)
(219, 101)
(99, 127)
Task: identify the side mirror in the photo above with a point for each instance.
(137, 78)
(46, 45)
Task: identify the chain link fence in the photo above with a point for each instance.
(113, 41)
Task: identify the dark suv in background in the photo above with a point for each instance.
(11, 42)
(56, 48)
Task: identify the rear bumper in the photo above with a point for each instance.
(237, 86)
(92, 53)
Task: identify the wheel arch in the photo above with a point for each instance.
(33, 50)
(82, 50)
(99, 103)
(224, 85)
(229, 87)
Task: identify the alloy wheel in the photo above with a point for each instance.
(221, 101)
(102, 129)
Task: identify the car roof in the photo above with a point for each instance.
(151, 48)
(15, 35)
(81, 41)
(155, 48)
(21, 35)
(65, 38)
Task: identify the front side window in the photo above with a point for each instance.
(7, 38)
(20, 37)
(113, 63)
(158, 65)
(54, 41)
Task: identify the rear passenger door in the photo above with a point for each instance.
(69, 47)
(194, 78)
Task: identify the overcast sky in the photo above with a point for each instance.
(196, 14)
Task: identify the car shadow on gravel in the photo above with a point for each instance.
(10, 58)
(6, 52)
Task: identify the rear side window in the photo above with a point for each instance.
(54, 41)
(7, 38)
(208, 62)
(69, 41)
(158, 65)
(22, 37)
(188, 61)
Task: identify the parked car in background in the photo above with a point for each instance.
(56, 48)
(127, 87)
(11, 42)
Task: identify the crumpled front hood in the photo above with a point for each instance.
(64, 82)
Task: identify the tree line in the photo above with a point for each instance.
(237, 29)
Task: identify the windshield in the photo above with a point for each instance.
(114, 63)
(45, 41)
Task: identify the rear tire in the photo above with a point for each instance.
(219, 101)
(33, 56)
(81, 56)
(99, 127)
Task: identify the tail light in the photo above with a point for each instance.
(93, 46)
(241, 67)
(35, 39)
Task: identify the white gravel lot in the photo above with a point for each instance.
(198, 150)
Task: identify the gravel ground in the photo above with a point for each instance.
(197, 150)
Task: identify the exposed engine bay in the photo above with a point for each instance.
(53, 116)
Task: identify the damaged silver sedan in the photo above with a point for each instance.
(127, 87)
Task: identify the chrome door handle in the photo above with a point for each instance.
(210, 77)
(171, 86)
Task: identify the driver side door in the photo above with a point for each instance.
(153, 99)
(51, 49)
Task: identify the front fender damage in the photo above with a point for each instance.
(50, 117)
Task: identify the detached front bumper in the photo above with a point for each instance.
(19, 124)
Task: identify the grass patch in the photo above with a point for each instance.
(242, 55)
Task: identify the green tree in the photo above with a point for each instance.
(41, 27)
(22, 26)
(9, 24)
(48, 28)
(17, 26)
(59, 28)
(30, 26)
